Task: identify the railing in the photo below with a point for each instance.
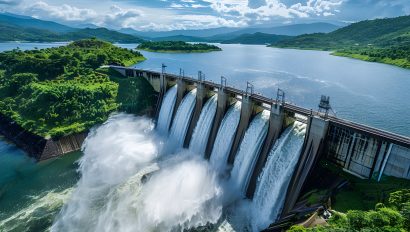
(391, 137)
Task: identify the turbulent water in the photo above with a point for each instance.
(274, 179)
(181, 122)
(126, 183)
(126, 186)
(32, 194)
(225, 137)
(203, 128)
(167, 109)
(247, 155)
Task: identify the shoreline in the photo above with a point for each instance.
(355, 56)
(37, 146)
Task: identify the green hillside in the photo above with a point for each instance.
(59, 91)
(21, 28)
(256, 38)
(380, 40)
(177, 47)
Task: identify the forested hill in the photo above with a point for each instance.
(380, 40)
(22, 28)
(177, 47)
(59, 91)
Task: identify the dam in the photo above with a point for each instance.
(246, 134)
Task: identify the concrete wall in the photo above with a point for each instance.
(246, 115)
(276, 122)
(312, 146)
(398, 163)
(221, 109)
(201, 93)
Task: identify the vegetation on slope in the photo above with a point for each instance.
(57, 91)
(393, 216)
(43, 31)
(380, 40)
(177, 47)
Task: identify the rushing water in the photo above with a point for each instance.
(247, 154)
(203, 127)
(224, 138)
(181, 122)
(274, 179)
(32, 194)
(167, 108)
(125, 187)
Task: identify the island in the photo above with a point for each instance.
(380, 40)
(56, 92)
(177, 47)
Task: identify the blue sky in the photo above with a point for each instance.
(200, 14)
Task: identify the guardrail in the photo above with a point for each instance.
(385, 135)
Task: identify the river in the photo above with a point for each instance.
(370, 93)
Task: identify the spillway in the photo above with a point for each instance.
(274, 180)
(249, 150)
(225, 137)
(165, 114)
(181, 122)
(203, 128)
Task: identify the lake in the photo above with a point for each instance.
(370, 93)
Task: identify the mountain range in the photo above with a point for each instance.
(24, 28)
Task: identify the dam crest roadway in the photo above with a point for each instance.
(358, 149)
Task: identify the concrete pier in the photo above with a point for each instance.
(314, 139)
(246, 115)
(220, 113)
(201, 93)
(276, 122)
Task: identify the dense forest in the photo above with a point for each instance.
(177, 46)
(59, 91)
(394, 216)
(12, 32)
(379, 40)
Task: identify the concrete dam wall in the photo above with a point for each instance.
(360, 150)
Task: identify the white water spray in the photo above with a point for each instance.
(167, 108)
(225, 137)
(248, 151)
(274, 180)
(181, 122)
(203, 127)
(124, 187)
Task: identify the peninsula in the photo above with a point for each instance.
(177, 47)
(60, 91)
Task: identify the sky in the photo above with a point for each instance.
(164, 15)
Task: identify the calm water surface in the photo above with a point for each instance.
(371, 93)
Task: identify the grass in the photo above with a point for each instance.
(135, 94)
(363, 194)
(403, 63)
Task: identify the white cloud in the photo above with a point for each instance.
(63, 12)
(273, 8)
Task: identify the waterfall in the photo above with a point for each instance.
(181, 122)
(203, 127)
(167, 108)
(274, 180)
(225, 137)
(249, 151)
